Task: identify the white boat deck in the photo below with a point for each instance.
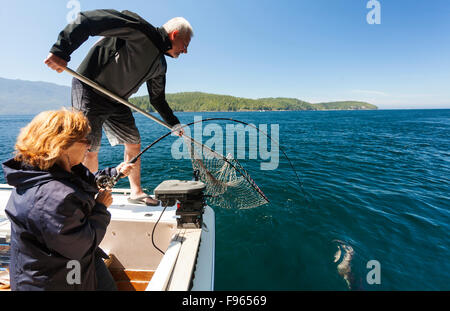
(129, 239)
(121, 209)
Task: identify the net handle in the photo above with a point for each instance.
(126, 103)
(148, 115)
(130, 105)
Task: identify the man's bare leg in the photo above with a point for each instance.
(131, 150)
(91, 161)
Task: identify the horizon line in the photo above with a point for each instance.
(256, 98)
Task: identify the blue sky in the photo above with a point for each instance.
(314, 50)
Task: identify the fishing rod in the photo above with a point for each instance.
(148, 115)
(128, 104)
(105, 181)
(110, 182)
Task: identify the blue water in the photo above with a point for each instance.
(376, 182)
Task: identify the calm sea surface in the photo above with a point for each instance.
(377, 187)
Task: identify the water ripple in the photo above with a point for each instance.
(377, 181)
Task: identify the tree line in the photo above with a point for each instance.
(198, 101)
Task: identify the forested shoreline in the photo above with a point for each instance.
(197, 101)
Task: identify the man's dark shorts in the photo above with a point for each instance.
(116, 119)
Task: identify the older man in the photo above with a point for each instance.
(130, 53)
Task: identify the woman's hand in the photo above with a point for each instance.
(125, 168)
(104, 197)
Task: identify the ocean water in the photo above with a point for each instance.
(374, 205)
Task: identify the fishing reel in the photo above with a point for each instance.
(106, 182)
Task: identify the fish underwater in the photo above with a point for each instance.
(344, 260)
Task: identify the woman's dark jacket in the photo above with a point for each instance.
(54, 220)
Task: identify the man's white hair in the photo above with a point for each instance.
(180, 24)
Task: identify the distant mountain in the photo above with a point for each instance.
(28, 97)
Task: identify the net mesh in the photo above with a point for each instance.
(228, 185)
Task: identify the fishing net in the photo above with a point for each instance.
(228, 185)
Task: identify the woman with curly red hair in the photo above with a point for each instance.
(57, 213)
